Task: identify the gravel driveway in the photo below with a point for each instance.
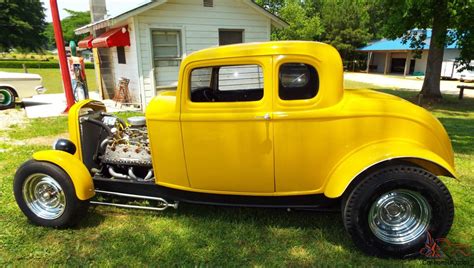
(11, 117)
(409, 82)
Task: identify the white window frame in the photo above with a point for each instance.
(180, 49)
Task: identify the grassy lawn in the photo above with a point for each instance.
(52, 78)
(197, 235)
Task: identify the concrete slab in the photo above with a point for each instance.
(48, 105)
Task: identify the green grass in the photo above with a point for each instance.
(38, 127)
(52, 80)
(197, 235)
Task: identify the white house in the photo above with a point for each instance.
(146, 44)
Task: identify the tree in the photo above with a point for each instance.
(274, 6)
(22, 23)
(402, 16)
(346, 24)
(303, 25)
(75, 20)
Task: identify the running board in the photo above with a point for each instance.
(162, 205)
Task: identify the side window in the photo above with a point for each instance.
(297, 81)
(227, 84)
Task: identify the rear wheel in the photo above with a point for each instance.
(7, 98)
(46, 195)
(391, 211)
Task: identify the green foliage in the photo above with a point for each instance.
(75, 20)
(273, 6)
(303, 26)
(346, 25)
(35, 64)
(22, 25)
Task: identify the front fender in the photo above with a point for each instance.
(76, 170)
(361, 160)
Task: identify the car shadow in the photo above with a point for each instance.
(218, 234)
(25, 104)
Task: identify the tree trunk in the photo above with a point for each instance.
(431, 85)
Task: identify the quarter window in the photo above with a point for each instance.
(297, 81)
(227, 84)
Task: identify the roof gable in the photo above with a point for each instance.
(107, 22)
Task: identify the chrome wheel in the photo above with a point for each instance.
(399, 216)
(44, 196)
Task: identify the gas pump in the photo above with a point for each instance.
(77, 72)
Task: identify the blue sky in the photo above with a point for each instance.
(113, 6)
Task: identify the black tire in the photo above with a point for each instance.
(71, 210)
(399, 180)
(7, 98)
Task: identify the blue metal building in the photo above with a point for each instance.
(395, 57)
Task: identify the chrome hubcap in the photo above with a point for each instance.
(399, 216)
(44, 196)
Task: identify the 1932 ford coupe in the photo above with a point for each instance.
(261, 125)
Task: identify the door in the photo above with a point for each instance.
(300, 129)
(226, 126)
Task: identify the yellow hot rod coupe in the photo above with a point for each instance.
(259, 125)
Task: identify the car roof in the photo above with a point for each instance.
(262, 49)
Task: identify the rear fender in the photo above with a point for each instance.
(76, 170)
(370, 156)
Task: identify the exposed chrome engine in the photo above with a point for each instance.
(125, 152)
(128, 146)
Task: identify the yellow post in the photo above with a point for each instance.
(98, 75)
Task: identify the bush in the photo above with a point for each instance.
(35, 64)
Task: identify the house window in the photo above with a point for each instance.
(166, 48)
(297, 81)
(227, 37)
(121, 55)
(239, 83)
(208, 3)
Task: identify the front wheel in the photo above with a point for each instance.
(7, 98)
(391, 212)
(46, 195)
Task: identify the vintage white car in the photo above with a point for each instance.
(16, 86)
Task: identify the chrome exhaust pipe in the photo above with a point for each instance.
(118, 175)
(163, 204)
(148, 176)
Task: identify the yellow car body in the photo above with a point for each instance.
(257, 125)
(274, 147)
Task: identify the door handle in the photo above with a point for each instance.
(264, 117)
